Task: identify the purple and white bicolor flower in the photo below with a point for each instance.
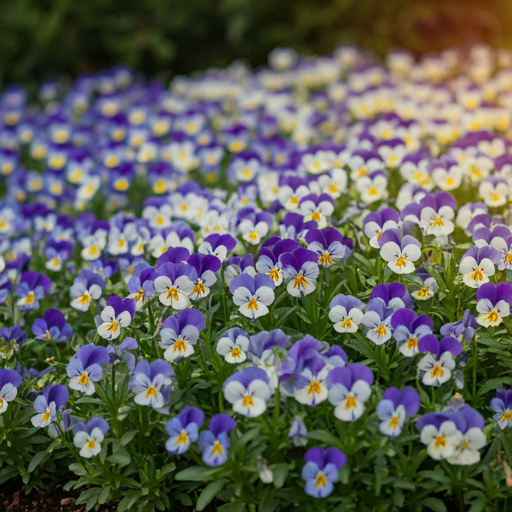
(408, 329)
(140, 285)
(399, 252)
(84, 368)
(237, 265)
(470, 424)
(377, 320)
(217, 245)
(437, 213)
(429, 287)
(321, 470)
(115, 352)
(463, 329)
(52, 326)
(329, 245)
(152, 383)
(477, 265)
(300, 266)
(180, 333)
(504, 246)
(437, 366)
(233, 345)
(205, 266)
(502, 406)
(311, 389)
(116, 314)
(376, 223)
(88, 437)
(252, 294)
(215, 442)
(394, 295)
(349, 389)
(87, 287)
(346, 312)
(184, 430)
(494, 302)
(317, 208)
(48, 404)
(248, 391)
(268, 258)
(174, 282)
(32, 287)
(298, 432)
(394, 409)
(10, 380)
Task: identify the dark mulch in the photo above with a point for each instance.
(58, 500)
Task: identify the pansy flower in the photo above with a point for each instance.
(494, 302)
(233, 345)
(436, 367)
(502, 406)
(140, 285)
(298, 432)
(84, 368)
(300, 266)
(394, 295)
(52, 326)
(56, 253)
(117, 313)
(311, 389)
(349, 389)
(183, 430)
(14, 333)
(180, 333)
(293, 226)
(470, 424)
(376, 223)
(217, 245)
(440, 434)
(395, 407)
(252, 294)
(32, 287)
(408, 329)
(429, 287)
(317, 208)
(87, 287)
(377, 320)
(115, 352)
(346, 312)
(215, 441)
(494, 190)
(329, 245)
(206, 266)
(237, 265)
(48, 404)
(399, 252)
(321, 470)
(10, 380)
(88, 437)
(269, 257)
(152, 384)
(248, 391)
(477, 265)
(372, 187)
(174, 283)
(463, 329)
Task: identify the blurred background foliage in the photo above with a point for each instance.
(165, 37)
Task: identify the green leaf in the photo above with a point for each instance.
(208, 494)
(127, 437)
(36, 460)
(168, 468)
(78, 469)
(477, 506)
(232, 507)
(494, 384)
(104, 495)
(280, 472)
(322, 435)
(121, 457)
(126, 503)
(434, 504)
(184, 499)
(194, 474)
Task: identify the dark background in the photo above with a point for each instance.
(165, 37)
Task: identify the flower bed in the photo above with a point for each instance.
(255, 291)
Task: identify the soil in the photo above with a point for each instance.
(58, 500)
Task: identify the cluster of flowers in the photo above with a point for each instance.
(253, 191)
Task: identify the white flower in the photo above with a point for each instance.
(110, 328)
(158, 217)
(467, 451)
(437, 223)
(89, 444)
(490, 314)
(234, 352)
(345, 321)
(428, 290)
(250, 402)
(437, 372)
(378, 329)
(253, 233)
(349, 404)
(174, 294)
(475, 274)
(315, 391)
(399, 260)
(442, 443)
(372, 190)
(253, 305)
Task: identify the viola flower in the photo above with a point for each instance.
(329, 245)
(437, 213)
(494, 302)
(436, 367)
(317, 208)
(301, 267)
(377, 320)
(183, 430)
(293, 226)
(85, 367)
(180, 333)
(400, 253)
(494, 191)
(310, 389)
(56, 253)
(394, 409)
(346, 312)
(32, 287)
(394, 295)
(349, 389)
(52, 326)
(217, 245)
(463, 330)
(174, 283)
(408, 329)
(477, 265)
(118, 313)
(321, 470)
(252, 294)
(470, 424)
(372, 187)
(376, 223)
(440, 434)
(253, 233)
(502, 406)
(233, 345)
(504, 246)
(215, 442)
(248, 390)
(115, 352)
(48, 404)
(87, 287)
(10, 380)
(298, 432)
(429, 287)
(141, 285)
(14, 333)
(268, 258)
(88, 437)
(152, 383)
(206, 267)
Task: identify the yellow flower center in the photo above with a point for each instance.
(477, 275)
(47, 414)
(83, 379)
(217, 448)
(495, 197)
(151, 392)
(199, 288)
(381, 330)
(47, 335)
(314, 387)
(113, 326)
(437, 371)
(493, 316)
(253, 235)
(248, 401)
(347, 323)
(412, 343)
(508, 258)
(172, 293)
(252, 304)
(91, 444)
(400, 262)
(315, 216)
(274, 274)
(351, 403)
(506, 416)
(394, 422)
(182, 439)
(300, 282)
(30, 298)
(373, 191)
(84, 299)
(159, 219)
(179, 346)
(294, 200)
(440, 441)
(236, 352)
(438, 222)
(320, 480)
(424, 292)
(325, 259)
